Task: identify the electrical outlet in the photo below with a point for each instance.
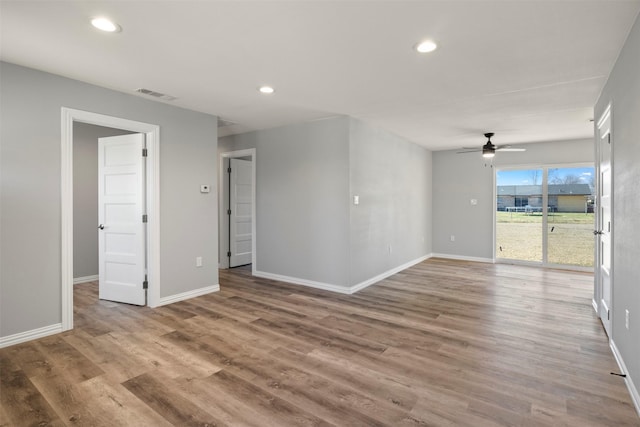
(198, 261)
(453, 238)
(626, 319)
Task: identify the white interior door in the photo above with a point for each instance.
(121, 195)
(604, 223)
(240, 195)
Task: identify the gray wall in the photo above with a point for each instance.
(623, 92)
(307, 225)
(302, 193)
(392, 178)
(85, 196)
(229, 143)
(458, 178)
(30, 262)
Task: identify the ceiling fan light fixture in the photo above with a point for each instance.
(488, 149)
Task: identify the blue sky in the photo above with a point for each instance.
(525, 177)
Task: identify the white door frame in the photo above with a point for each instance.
(251, 152)
(152, 132)
(597, 292)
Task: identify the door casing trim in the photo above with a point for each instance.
(152, 132)
(250, 152)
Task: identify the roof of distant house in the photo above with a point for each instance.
(536, 190)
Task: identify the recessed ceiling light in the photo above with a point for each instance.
(105, 24)
(426, 46)
(266, 90)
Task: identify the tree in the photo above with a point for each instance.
(572, 179)
(567, 179)
(535, 176)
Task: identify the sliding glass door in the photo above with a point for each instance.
(545, 215)
(519, 214)
(571, 219)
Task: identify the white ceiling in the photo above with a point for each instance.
(527, 70)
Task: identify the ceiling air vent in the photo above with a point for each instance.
(156, 94)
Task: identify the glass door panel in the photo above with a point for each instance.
(570, 221)
(519, 215)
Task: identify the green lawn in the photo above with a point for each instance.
(571, 241)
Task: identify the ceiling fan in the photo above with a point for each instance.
(489, 149)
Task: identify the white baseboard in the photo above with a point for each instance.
(85, 279)
(335, 288)
(303, 282)
(187, 295)
(30, 335)
(463, 258)
(633, 391)
(379, 277)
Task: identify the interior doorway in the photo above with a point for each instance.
(237, 202)
(85, 199)
(151, 176)
(604, 230)
(109, 244)
(239, 212)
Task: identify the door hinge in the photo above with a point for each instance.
(609, 138)
(145, 218)
(228, 254)
(228, 211)
(145, 284)
(144, 152)
(228, 170)
(608, 314)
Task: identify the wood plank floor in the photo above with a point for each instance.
(444, 343)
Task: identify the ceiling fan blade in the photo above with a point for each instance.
(489, 149)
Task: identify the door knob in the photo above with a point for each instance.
(101, 226)
(596, 232)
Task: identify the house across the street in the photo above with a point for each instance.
(562, 198)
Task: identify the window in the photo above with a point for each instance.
(545, 215)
